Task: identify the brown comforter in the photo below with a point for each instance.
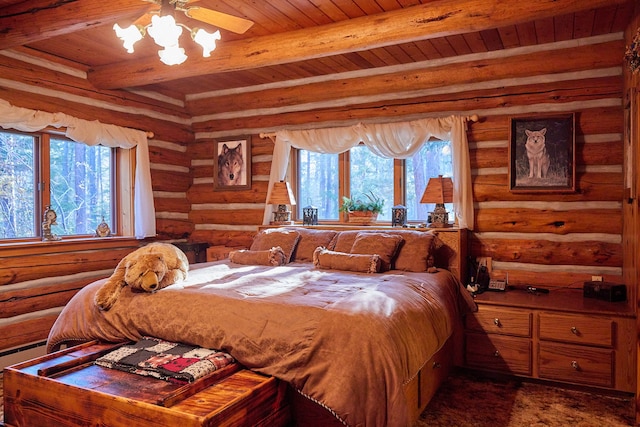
(348, 341)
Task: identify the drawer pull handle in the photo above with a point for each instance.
(574, 365)
(436, 365)
(496, 353)
(496, 322)
(574, 330)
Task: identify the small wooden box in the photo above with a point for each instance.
(67, 389)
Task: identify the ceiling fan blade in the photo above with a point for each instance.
(144, 20)
(219, 19)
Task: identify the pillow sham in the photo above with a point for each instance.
(274, 256)
(309, 241)
(272, 237)
(383, 244)
(415, 250)
(326, 259)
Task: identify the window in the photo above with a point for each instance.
(318, 183)
(369, 173)
(322, 183)
(433, 159)
(39, 170)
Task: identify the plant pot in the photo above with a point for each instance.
(362, 217)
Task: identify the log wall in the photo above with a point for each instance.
(631, 214)
(553, 240)
(37, 279)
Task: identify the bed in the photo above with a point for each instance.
(362, 324)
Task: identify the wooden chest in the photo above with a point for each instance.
(67, 389)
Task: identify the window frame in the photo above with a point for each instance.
(122, 178)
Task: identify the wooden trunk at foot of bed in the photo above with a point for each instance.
(67, 389)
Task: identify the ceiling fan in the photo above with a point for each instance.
(162, 26)
(208, 16)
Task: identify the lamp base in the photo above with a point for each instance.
(439, 218)
(282, 216)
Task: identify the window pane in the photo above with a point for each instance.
(433, 159)
(17, 185)
(81, 189)
(371, 173)
(318, 177)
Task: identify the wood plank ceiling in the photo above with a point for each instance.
(295, 39)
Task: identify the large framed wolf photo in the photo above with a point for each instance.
(232, 164)
(542, 154)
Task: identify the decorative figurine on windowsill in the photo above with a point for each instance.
(103, 229)
(49, 219)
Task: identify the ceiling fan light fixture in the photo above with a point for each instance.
(129, 35)
(206, 40)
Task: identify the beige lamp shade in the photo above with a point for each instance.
(439, 190)
(281, 194)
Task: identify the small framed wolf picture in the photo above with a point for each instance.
(232, 164)
(542, 155)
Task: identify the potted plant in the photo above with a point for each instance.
(362, 210)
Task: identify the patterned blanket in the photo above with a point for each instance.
(165, 360)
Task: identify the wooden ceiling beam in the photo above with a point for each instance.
(35, 20)
(426, 21)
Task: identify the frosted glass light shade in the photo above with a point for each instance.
(129, 35)
(172, 55)
(164, 31)
(206, 40)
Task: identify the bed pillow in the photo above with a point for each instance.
(415, 250)
(326, 259)
(272, 237)
(309, 241)
(382, 244)
(274, 256)
(343, 242)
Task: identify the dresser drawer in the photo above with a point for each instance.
(576, 364)
(510, 355)
(586, 330)
(496, 320)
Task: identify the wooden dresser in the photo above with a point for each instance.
(560, 336)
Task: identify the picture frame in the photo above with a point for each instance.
(232, 164)
(630, 137)
(542, 154)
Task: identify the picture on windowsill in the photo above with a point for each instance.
(542, 154)
(232, 164)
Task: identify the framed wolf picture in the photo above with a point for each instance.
(542, 154)
(232, 164)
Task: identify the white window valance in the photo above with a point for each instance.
(392, 140)
(94, 133)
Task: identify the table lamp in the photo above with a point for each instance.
(439, 191)
(282, 196)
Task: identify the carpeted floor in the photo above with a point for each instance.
(471, 401)
(465, 400)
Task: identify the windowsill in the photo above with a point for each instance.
(346, 225)
(66, 245)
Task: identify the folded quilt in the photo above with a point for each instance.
(170, 361)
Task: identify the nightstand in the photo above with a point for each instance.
(195, 252)
(560, 336)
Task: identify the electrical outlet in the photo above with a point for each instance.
(596, 278)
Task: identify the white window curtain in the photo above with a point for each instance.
(94, 133)
(391, 140)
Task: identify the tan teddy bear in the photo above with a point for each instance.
(147, 269)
